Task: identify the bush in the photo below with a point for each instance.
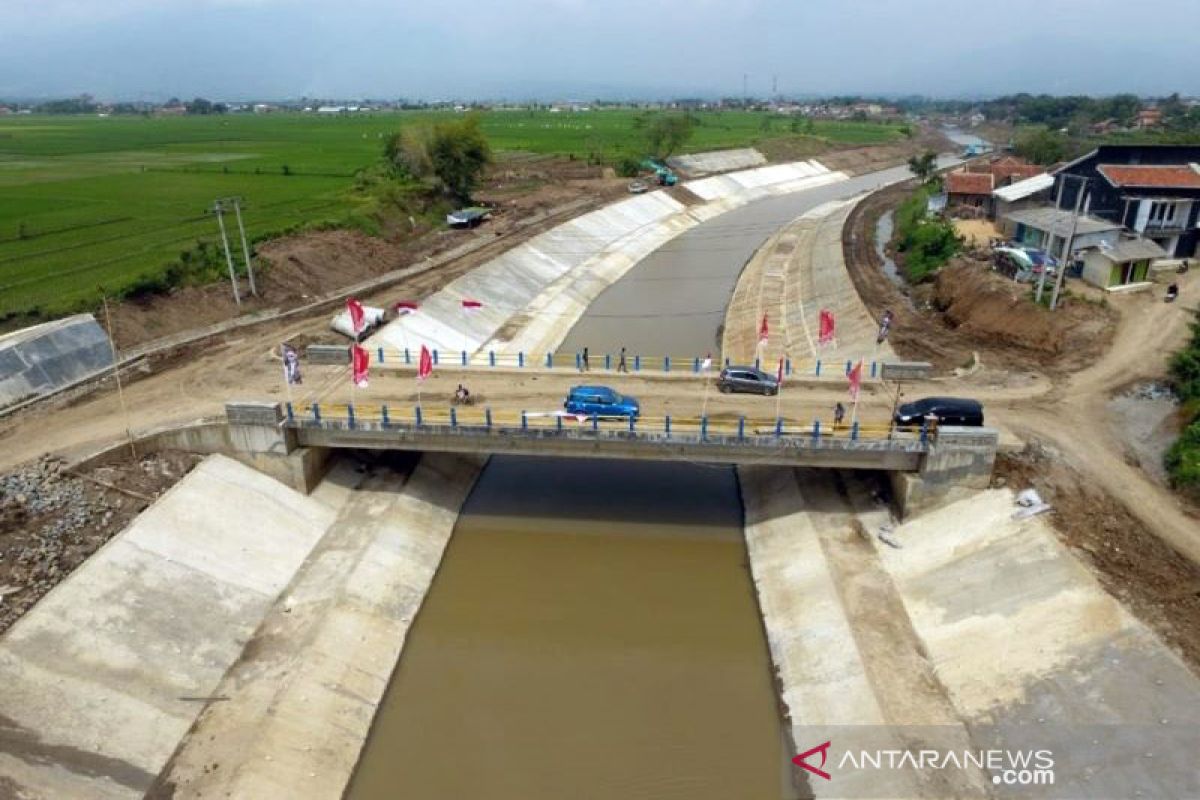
(628, 167)
(1183, 462)
(926, 243)
(1183, 459)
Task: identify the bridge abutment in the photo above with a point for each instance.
(255, 435)
(957, 463)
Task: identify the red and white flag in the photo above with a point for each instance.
(825, 330)
(406, 307)
(358, 318)
(359, 362)
(779, 374)
(763, 331)
(425, 365)
(855, 380)
(471, 306)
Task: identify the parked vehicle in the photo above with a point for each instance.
(600, 401)
(947, 410)
(747, 379)
(638, 187)
(468, 217)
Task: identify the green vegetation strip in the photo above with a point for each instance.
(1183, 459)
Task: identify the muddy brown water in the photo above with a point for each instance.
(592, 633)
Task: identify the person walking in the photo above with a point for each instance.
(584, 365)
(839, 414)
(621, 366)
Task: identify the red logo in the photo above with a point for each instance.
(823, 749)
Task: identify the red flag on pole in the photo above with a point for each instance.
(855, 380)
(762, 331)
(470, 306)
(357, 317)
(406, 307)
(825, 332)
(359, 361)
(425, 365)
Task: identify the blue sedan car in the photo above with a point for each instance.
(600, 401)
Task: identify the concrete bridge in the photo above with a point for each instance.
(293, 444)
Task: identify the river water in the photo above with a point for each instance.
(592, 633)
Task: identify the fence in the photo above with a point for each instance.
(609, 362)
(468, 420)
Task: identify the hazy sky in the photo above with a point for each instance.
(241, 49)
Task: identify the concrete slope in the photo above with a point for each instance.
(303, 698)
(1022, 634)
(697, 164)
(42, 358)
(552, 278)
(104, 676)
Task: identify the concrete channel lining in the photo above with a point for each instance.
(103, 677)
(42, 358)
(697, 164)
(571, 264)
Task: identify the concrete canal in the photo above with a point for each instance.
(592, 632)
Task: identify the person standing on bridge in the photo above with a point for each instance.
(839, 414)
(584, 366)
(621, 365)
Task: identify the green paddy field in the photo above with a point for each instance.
(90, 203)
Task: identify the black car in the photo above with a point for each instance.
(747, 379)
(948, 410)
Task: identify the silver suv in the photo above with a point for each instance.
(747, 379)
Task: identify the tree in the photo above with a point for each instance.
(923, 166)
(202, 106)
(1041, 147)
(455, 153)
(666, 133)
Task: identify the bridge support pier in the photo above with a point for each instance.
(255, 435)
(959, 462)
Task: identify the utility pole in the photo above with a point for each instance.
(1041, 287)
(745, 87)
(237, 208)
(1066, 260)
(237, 297)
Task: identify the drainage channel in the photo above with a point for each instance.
(592, 632)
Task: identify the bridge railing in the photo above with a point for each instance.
(724, 428)
(832, 367)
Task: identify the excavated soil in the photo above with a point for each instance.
(1153, 580)
(970, 310)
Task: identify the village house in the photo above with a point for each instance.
(1125, 263)
(973, 186)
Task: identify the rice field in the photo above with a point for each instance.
(90, 204)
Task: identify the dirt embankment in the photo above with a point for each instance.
(52, 519)
(969, 309)
(1158, 584)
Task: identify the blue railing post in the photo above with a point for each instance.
(778, 427)
(816, 430)
(524, 421)
(637, 363)
(595, 422)
(741, 428)
(854, 431)
(417, 416)
(407, 356)
(558, 423)
(704, 428)
(453, 417)
(491, 358)
(666, 363)
(578, 361)
(696, 364)
(608, 361)
(668, 426)
(849, 366)
(873, 365)
(757, 365)
(350, 416)
(818, 367)
(291, 413)
(487, 417)
(464, 358)
(435, 356)
(380, 355)
(632, 421)
(787, 366)
(316, 409)
(521, 359)
(924, 432)
(549, 360)
(384, 413)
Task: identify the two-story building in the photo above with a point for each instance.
(1150, 190)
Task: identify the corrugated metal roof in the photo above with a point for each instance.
(1022, 189)
(1174, 176)
(1132, 250)
(1056, 220)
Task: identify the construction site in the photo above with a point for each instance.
(217, 581)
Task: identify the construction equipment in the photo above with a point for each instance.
(662, 173)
